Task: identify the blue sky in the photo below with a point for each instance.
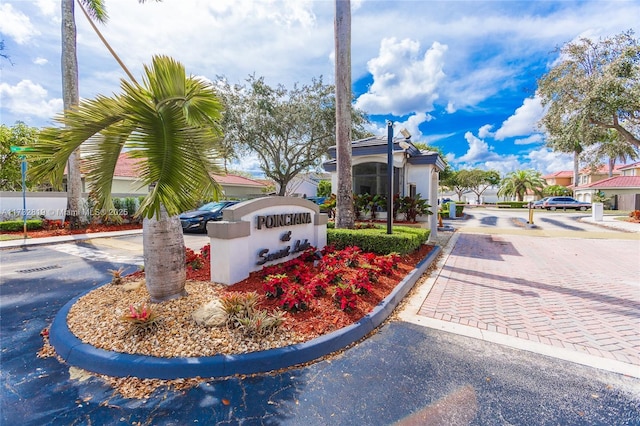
(460, 75)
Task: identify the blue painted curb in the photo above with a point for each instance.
(76, 353)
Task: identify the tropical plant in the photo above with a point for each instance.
(141, 319)
(324, 188)
(412, 207)
(610, 148)
(519, 182)
(556, 191)
(169, 125)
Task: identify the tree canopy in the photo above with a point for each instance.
(289, 130)
(10, 169)
(477, 180)
(594, 86)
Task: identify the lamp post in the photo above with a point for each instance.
(389, 176)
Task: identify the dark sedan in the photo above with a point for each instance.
(196, 220)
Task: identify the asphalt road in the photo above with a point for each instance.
(404, 374)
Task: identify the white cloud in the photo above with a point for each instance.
(479, 151)
(16, 24)
(48, 7)
(40, 61)
(524, 121)
(411, 124)
(547, 161)
(485, 131)
(27, 99)
(403, 83)
(535, 138)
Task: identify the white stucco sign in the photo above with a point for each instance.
(261, 232)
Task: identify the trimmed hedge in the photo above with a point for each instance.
(459, 210)
(18, 225)
(512, 204)
(376, 240)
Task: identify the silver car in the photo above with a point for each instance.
(554, 203)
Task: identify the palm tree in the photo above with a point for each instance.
(345, 217)
(71, 97)
(170, 124)
(615, 147)
(519, 182)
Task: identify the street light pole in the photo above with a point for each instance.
(389, 176)
(23, 170)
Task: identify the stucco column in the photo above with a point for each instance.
(433, 201)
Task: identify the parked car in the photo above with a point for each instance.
(196, 220)
(553, 203)
(538, 204)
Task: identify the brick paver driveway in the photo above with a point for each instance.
(575, 293)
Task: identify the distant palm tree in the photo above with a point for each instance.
(519, 182)
(615, 147)
(170, 124)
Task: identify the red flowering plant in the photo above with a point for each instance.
(296, 298)
(361, 281)
(319, 284)
(345, 296)
(275, 284)
(205, 252)
(387, 263)
(193, 259)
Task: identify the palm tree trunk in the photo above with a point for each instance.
(576, 168)
(70, 99)
(164, 257)
(345, 217)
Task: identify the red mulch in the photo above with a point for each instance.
(323, 316)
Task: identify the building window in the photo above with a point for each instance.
(371, 178)
(412, 190)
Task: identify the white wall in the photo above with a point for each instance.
(51, 205)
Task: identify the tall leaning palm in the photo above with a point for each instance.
(71, 96)
(169, 123)
(519, 182)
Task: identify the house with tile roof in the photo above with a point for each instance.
(562, 178)
(622, 190)
(125, 182)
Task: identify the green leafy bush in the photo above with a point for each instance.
(459, 210)
(18, 225)
(376, 240)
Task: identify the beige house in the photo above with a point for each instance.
(562, 178)
(622, 190)
(126, 184)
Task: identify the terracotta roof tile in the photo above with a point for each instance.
(617, 182)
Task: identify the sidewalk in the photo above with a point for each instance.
(611, 222)
(65, 238)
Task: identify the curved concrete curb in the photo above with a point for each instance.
(79, 354)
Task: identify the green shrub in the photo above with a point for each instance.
(512, 204)
(459, 210)
(403, 239)
(18, 225)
